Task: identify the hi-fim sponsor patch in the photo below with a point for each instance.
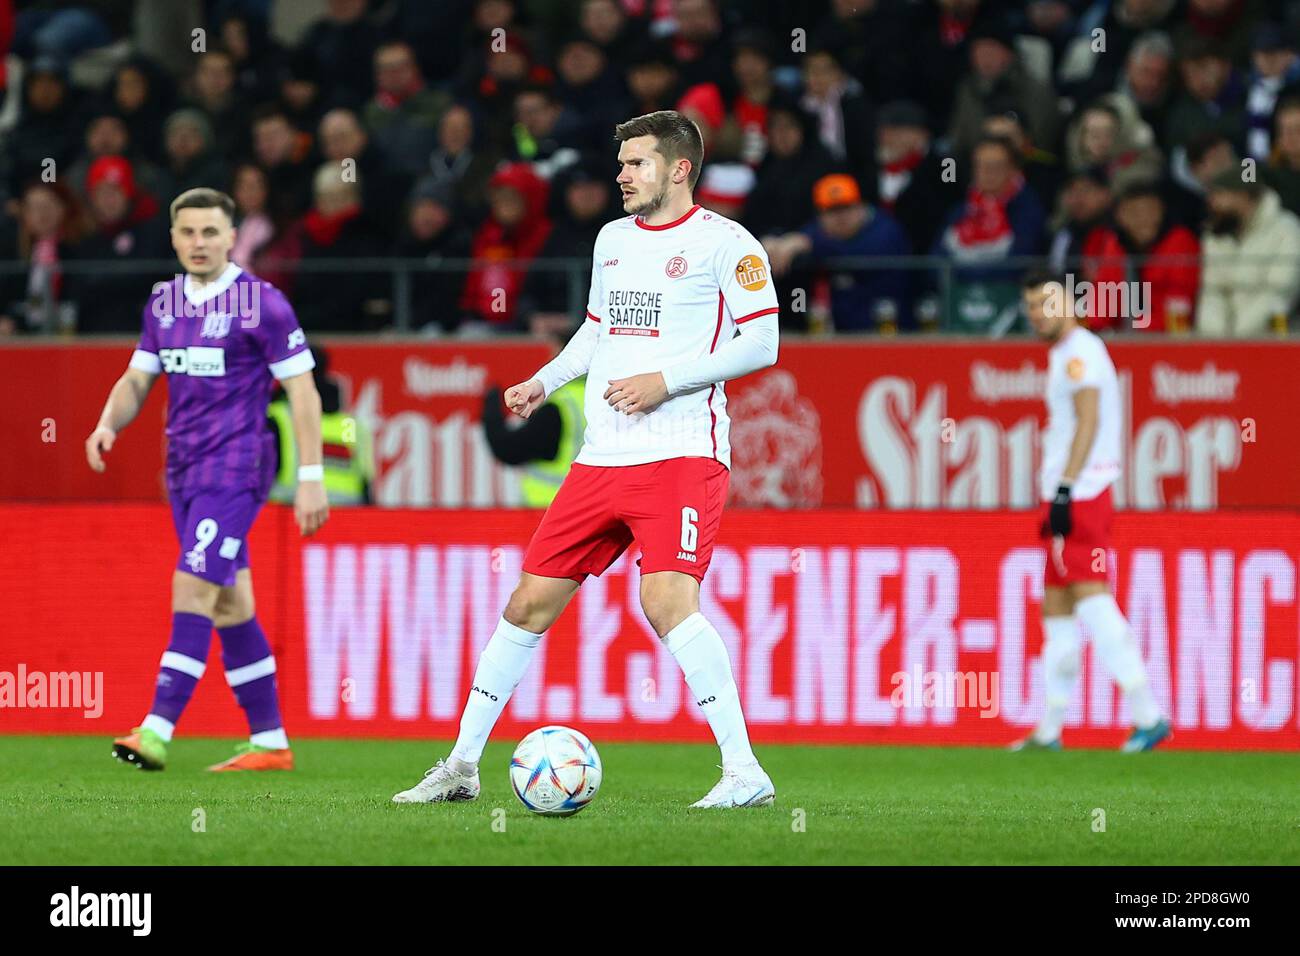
(751, 273)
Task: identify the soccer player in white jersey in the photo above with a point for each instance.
(1081, 460)
(681, 302)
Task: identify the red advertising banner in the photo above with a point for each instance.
(842, 626)
(912, 424)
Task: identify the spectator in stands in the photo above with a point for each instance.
(432, 231)
(284, 153)
(999, 83)
(127, 226)
(509, 65)
(586, 190)
(213, 92)
(589, 93)
(781, 200)
(191, 159)
(535, 135)
(939, 39)
(256, 57)
(1205, 157)
(1251, 273)
(725, 181)
(254, 227)
(699, 43)
(107, 135)
(463, 160)
(1041, 168)
(863, 299)
(873, 41)
(48, 130)
(64, 31)
(606, 23)
(340, 48)
(1087, 73)
(1103, 135)
(1228, 24)
(913, 184)
(343, 139)
(403, 116)
(1146, 85)
(652, 79)
(1144, 246)
(1276, 67)
(1282, 171)
(142, 95)
(515, 230)
(48, 224)
(845, 121)
(745, 129)
(1084, 207)
(335, 229)
(1212, 97)
(300, 93)
(1000, 219)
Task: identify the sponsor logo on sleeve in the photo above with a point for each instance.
(1074, 368)
(751, 273)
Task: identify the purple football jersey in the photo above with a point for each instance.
(220, 348)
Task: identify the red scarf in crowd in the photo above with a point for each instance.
(324, 230)
(984, 220)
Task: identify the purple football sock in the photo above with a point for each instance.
(182, 665)
(250, 671)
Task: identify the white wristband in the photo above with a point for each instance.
(311, 472)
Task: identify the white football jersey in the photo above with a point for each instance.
(1080, 360)
(665, 295)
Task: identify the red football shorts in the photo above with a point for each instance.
(671, 508)
(1083, 553)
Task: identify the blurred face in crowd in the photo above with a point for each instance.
(1049, 310)
(250, 190)
(332, 194)
(273, 141)
(341, 136)
(645, 177)
(843, 222)
(131, 90)
(784, 134)
(990, 59)
(821, 75)
(234, 37)
(42, 212)
(897, 142)
(751, 68)
(1205, 76)
(1140, 217)
(1273, 63)
(602, 20)
(508, 207)
(456, 130)
(508, 66)
(1216, 159)
(1229, 211)
(993, 169)
(1007, 127)
(109, 203)
(1084, 201)
(395, 69)
(1148, 77)
(185, 142)
(490, 14)
(697, 20)
(346, 11)
(536, 113)
(1288, 135)
(44, 93)
(202, 239)
(107, 136)
(580, 63)
(215, 77)
(650, 82)
(1099, 135)
(586, 200)
(427, 219)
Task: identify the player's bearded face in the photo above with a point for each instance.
(649, 196)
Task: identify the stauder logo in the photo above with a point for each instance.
(751, 273)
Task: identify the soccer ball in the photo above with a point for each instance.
(555, 771)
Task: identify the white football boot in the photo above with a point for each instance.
(747, 786)
(441, 784)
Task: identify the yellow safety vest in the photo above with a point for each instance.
(345, 477)
(541, 479)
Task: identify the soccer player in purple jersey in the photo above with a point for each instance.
(220, 335)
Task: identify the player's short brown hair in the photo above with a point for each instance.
(676, 135)
(203, 198)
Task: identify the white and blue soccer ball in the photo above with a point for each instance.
(555, 771)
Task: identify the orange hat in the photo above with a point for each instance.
(837, 189)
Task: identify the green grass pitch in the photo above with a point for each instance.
(64, 800)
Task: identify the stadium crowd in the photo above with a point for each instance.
(1146, 142)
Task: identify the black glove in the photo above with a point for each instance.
(1058, 518)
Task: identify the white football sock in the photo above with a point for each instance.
(702, 656)
(161, 726)
(1113, 639)
(500, 669)
(1060, 671)
(274, 739)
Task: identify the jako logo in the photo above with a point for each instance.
(707, 700)
(103, 909)
(480, 690)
